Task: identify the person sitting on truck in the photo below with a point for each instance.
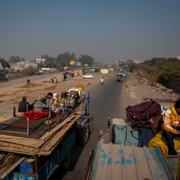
(56, 103)
(40, 104)
(23, 105)
(171, 126)
(77, 98)
(49, 98)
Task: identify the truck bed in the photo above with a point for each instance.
(42, 145)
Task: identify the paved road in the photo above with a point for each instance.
(105, 101)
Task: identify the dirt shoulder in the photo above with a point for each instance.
(11, 95)
(136, 90)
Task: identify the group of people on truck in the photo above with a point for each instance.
(157, 126)
(170, 127)
(54, 102)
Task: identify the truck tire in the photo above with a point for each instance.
(91, 125)
(83, 136)
(67, 161)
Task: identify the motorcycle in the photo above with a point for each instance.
(102, 81)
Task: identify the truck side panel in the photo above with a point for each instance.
(55, 160)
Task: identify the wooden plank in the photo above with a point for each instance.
(48, 134)
(7, 167)
(26, 142)
(9, 147)
(33, 146)
(52, 143)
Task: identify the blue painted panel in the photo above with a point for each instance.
(114, 161)
(18, 176)
(54, 161)
(57, 158)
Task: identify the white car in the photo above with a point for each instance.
(88, 76)
(76, 90)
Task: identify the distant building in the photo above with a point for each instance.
(1, 66)
(23, 65)
(178, 57)
(48, 70)
(40, 60)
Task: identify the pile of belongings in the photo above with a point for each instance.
(146, 118)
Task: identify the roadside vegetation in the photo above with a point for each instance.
(64, 59)
(163, 70)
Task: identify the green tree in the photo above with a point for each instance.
(62, 60)
(15, 59)
(86, 59)
(4, 63)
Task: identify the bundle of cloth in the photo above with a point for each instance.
(36, 115)
(159, 141)
(168, 140)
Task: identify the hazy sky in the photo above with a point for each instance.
(104, 29)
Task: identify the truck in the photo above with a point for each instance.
(35, 149)
(3, 76)
(119, 77)
(117, 156)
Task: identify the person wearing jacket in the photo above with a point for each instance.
(171, 126)
(23, 105)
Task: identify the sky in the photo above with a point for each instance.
(105, 29)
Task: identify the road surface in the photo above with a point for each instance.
(105, 101)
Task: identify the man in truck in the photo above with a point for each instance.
(171, 126)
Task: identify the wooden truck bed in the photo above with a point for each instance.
(42, 145)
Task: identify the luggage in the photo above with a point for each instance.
(140, 114)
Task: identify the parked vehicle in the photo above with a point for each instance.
(88, 76)
(68, 75)
(119, 77)
(3, 76)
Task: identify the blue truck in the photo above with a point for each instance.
(28, 158)
(117, 156)
(3, 76)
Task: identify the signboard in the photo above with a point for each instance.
(104, 71)
(78, 63)
(72, 62)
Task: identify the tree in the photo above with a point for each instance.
(86, 59)
(15, 59)
(50, 62)
(62, 60)
(4, 63)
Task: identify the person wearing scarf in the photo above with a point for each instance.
(171, 126)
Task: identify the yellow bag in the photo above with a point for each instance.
(158, 141)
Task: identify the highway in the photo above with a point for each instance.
(105, 101)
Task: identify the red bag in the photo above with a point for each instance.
(34, 115)
(143, 111)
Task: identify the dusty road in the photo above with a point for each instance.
(11, 92)
(34, 78)
(105, 101)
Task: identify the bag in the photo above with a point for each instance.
(143, 112)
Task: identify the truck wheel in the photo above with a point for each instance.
(83, 136)
(67, 161)
(91, 126)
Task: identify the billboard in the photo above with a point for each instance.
(72, 62)
(78, 63)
